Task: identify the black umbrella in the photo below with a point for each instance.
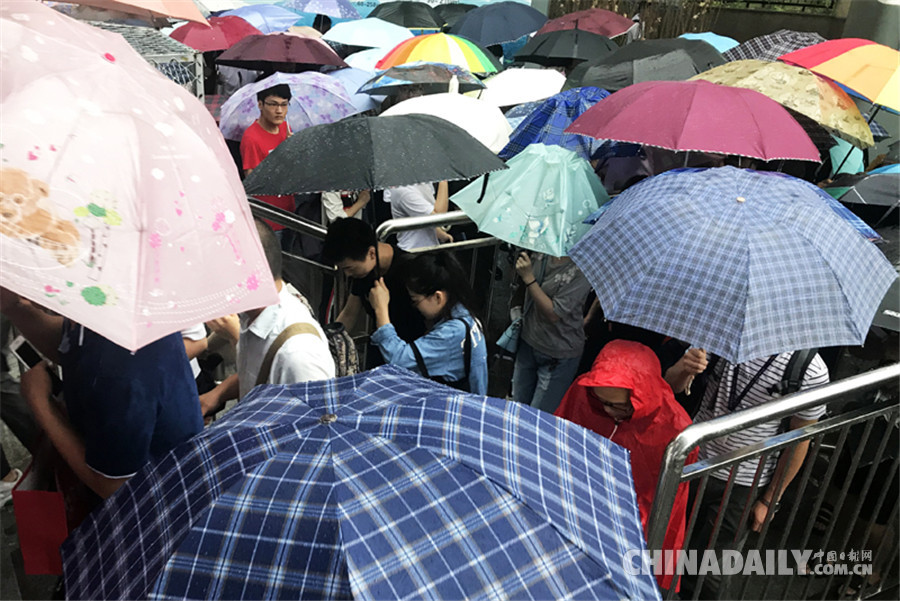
(878, 189)
(371, 153)
(648, 60)
(412, 15)
(498, 22)
(451, 13)
(560, 48)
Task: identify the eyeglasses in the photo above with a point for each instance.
(417, 302)
(280, 105)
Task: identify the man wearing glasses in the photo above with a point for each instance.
(261, 138)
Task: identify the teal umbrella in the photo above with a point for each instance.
(539, 203)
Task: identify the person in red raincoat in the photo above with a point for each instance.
(625, 399)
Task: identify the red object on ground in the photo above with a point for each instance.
(594, 20)
(698, 116)
(279, 49)
(222, 33)
(817, 54)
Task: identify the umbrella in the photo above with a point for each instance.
(770, 46)
(382, 485)
(562, 47)
(517, 86)
(304, 31)
(413, 15)
(268, 18)
(800, 90)
(121, 206)
(366, 60)
(869, 69)
(719, 42)
(430, 78)
(451, 13)
(368, 33)
(498, 22)
(893, 168)
(371, 153)
(315, 99)
(279, 52)
(888, 313)
(698, 116)
(441, 48)
(517, 114)
(742, 263)
(221, 34)
(539, 203)
(547, 123)
(595, 20)
(340, 9)
(151, 9)
(352, 79)
(483, 121)
(647, 60)
(878, 189)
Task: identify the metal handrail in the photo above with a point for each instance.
(264, 210)
(405, 224)
(672, 472)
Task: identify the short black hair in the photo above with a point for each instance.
(348, 239)
(281, 90)
(271, 247)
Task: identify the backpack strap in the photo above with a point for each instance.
(288, 332)
(792, 379)
(467, 355)
(420, 361)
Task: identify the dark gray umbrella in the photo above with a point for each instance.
(371, 153)
(498, 22)
(560, 48)
(451, 13)
(412, 15)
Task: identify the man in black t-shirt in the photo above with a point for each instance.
(353, 247)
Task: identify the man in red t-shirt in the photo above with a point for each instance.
(267, 132)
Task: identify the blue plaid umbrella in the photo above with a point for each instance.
(546, 123)
(742, 263)
(376, 486)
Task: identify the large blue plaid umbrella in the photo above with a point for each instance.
(742, 263)
(546, 124)
(376, 486)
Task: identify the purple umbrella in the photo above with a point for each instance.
(267, 18)
(341, 9)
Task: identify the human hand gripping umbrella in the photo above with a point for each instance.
(121, 206)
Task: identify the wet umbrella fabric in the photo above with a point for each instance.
(499, 22)
(771, 46)
(268, 18)
(719, 42)
(352, 78)
(761, 264)
(451, 13)
(368, 33)
(412, 15)
(878, 189)
(518, 86)
(429, 77)
(339, 9)
(371, 153)
(382, 485)
(595, 20)
(560, 48)
(280, 52)
(221, 34)
(441, 48)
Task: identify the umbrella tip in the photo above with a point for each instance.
(453, 86)
(328, 418)
(741, 199)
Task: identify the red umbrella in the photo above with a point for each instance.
(222, 33)
(595, 20)
(281, 52)
(819, 53)
(698, 116)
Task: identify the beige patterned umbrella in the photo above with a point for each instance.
(801, 90)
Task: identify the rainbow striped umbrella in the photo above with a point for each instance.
(441, 48)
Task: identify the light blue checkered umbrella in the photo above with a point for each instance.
(546, 124)
(377, 486)
(742, 263)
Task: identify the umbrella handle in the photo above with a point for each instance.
(483, 188)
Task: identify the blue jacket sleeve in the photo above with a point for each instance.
(441, 349)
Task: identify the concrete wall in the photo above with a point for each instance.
(742, 24)
(874, 20)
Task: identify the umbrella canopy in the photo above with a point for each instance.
(304, 31)
(316, 98)
(646, 60)
(698, 116)
(366, 59)
(499, 22)
(878, 189)
(517, 86)
(368, 33)
(150, 9)
(893, 168)
(763, 264)
(869, 69)
(441, 48)
(340, 9)
(451, 13)
(517, 114)
(800, 90)
(719, 42)
(595, 20)
(483, 121)
(352, 79)
(382, 485)
(121, 206)
(281, 52)
(413, 15)
(539, 203)
(547, 123)
(562, 47)
(268, 18)
(430, 78)
(371, 153)
(221, 33)
(772, 45)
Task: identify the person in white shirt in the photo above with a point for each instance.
(418, 200)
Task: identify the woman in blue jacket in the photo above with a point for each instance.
(453, 349)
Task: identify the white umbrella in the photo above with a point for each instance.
(371, 32)
(516, 86)
(366, 59)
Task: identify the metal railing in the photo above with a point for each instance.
(827, 444)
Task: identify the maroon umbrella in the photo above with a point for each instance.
(221, 34)
(595, 20)
(280, 52)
